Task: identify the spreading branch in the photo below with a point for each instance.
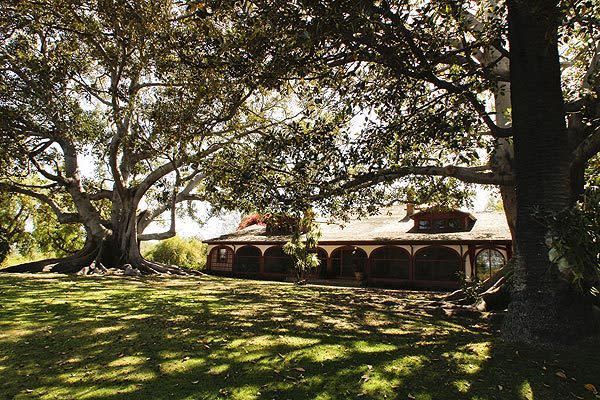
(466, 174)
(63, 217)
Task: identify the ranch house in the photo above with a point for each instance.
(397, 248)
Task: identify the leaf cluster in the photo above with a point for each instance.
(573, 240)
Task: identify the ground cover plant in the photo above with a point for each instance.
(74, 337)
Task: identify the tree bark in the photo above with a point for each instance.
(503, 156)
(544, 308)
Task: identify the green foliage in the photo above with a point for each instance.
(4, 250)
(29, 230)
(302, 246)
(183, 252)
(592, 172)
(471, 288)
(573, 240)
(13, 216)
(282, 224)
(374, 122)
(494, 203)
(384, 103)
(52, 237)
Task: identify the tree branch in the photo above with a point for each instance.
(63, 217)
(184, 195)
(101, 194)
(587, 149)
(465, 174)
(167, 234)
(593, 67)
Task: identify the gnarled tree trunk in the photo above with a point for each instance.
(115, 248)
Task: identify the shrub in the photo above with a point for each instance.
(183, 252)
(573, 240)
(471, 288)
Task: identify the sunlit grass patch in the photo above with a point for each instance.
(405, 366)
(65, 337)
(461, 385)
(219, 369)
(373, 347)
(325, 352)
(127, 360)
(108, 329)
(246, 392)
(187, 363)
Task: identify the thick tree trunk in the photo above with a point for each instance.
(544, 308)
(118, 249)
(122, 247)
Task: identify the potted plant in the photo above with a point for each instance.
(359, 272)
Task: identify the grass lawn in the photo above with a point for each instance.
(212, 338)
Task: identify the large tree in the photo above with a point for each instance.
(144, 92)
(548, 174)
(434, 83)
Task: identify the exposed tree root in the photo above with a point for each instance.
(35, 266)
(151, 267)
(68, 264)
(87, 262)
(496, 297)
(491, 295)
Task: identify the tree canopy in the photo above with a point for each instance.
(148, 91)
(404, 89)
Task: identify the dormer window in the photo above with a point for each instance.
(440, 222)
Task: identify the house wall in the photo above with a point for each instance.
(467, 252)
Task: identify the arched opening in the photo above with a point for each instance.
(345, 261)
(247, 260)
(390, 262)
(488, 262)
(277, 261)
(322, 267)
(437, 264)
(221, 258)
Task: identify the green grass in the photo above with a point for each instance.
(116, 338)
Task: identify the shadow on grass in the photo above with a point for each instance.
(117, 338)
